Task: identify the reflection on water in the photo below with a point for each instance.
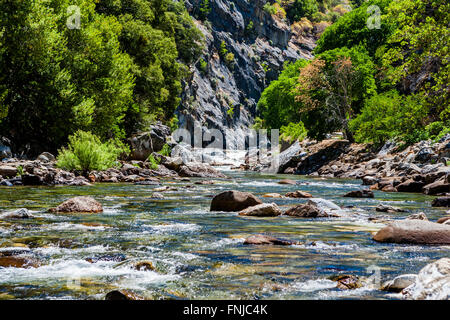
(199, 254)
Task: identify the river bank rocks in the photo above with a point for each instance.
(262, 210)
(78, 205)
(419, 168)
(441, 202)
(432, 282)
(414, 232)
(233, 201)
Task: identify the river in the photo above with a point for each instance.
(198, 254)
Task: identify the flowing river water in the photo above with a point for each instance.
(198, 254)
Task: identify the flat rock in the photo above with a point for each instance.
(414, 232)
(79, 204)
(287, 181)
(262, 210)
(298, 194)
(399, 283)
(308, 211)
(261, 239)
(233, 201)
(17, 214)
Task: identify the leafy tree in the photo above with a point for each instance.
(302, 8)
(391, 115)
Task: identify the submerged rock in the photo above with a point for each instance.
(262, 210)
(144, 266)
(287, 181)
(399, 283)
(17, 214)
(122, 295)
(359, 194)
(414, 232)
(298, 194)
(261, 239)
(432, 282)
(347, 282)
(79, 204)
(417, 216)
(17, 262)
(387, 208)
(441, 202)
(233, 201)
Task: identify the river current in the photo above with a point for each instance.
(198, 254)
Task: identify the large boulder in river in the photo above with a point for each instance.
(79, 204)
(441, 202)
(144, 143)
(414, 232)
(199, 170)
(262, 210)
(233, 201)
(436, 187)
(410, 186)
(290, 157)
(399, 283)
(298, 194)
(306, 211)
(8, 171)
(432, 283)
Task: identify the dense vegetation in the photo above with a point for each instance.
(377, 83)
(112, 73)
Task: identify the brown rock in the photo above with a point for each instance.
(8, 171)
(144, 266)
(287, 181)
(443, 219)
(389, 188)
(347, 282)
(260, 239)
(414, 232)
(122, 295)
(441, 202)
(298, 194)
(17, 262)
(233, 201)
(410, 186)
(79, 204)
(359, 194)
(262, 210)
(417, 216)
(436, 187)
(386, 208)
(307, 211)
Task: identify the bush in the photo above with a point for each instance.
(154, 163)
(86, 152)
(293, 132)
(165, 151)
(391, 115)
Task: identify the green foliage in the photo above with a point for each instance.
(114, 75)
(20, 171)
(173, 123)
(230, 112)
(351, 30)
(154, 163)
(85, 152)
(302, 8)
(293, 132)
(166, 150)
(277, 104)
(436, 130)
(223, 51)
(229, 58)
(205, 9)
(203, 66)
(391, 115)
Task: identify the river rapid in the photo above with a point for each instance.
(198, 254)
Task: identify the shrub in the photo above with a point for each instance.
(85, 152)
(154, 163)
(293, 132)
(229, 58)
(203, 65)
(165, 151)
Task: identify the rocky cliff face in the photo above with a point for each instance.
(223, 89)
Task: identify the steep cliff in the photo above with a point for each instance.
(245, 49)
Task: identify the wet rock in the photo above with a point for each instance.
(157, 195)
(359, 194)
(206, 182)
(306, 211)
(79, 204)
(436, 188)
(5, 150)
(272, 195)
(443, 220)
(287, 181)
(369, 180)
(432, 283)
(122, 295)
(148, 183)
(389, 188)
(144, 266)
(17, 262)
(119, 257)
(6, 183)
(8, 171)
(399, 283)
(441, 202)
(410, 186)
(298, 194)
(290, 157)
(31, 180)
(233, 201)
(387, 208)
(323, 204)
(414, 232)
(262, 210)
(17, 214)
(347, 282)
(261, 239)
(46, 157)
(417, 216)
